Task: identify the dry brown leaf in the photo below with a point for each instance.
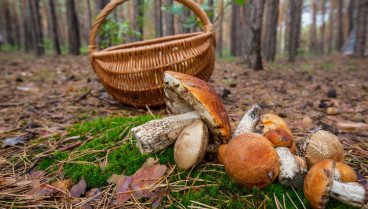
(78, 189)
(348, 125)
(123, 192)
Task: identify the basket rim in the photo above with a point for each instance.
(150, 44)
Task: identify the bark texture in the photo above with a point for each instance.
(37, 27)
(256, 28)
(220, 28)
(54, 26)
(270, 42)
(138, 18)
(294, 36)
(362, 28)
(73, 29)
(158, 18)
(170, 30)
(313, 31)
(235, 40)
(323, 27)
(331, 27)
(340, 29)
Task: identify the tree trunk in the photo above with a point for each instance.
(287, 26)
(249, 12)
(299, 24)
(138, 20)
(313, 32)
(340, 32)
(211, 11)
(73, 30)
(186, 15)
(331, 27)
(16, 25)
(322, 33)
(170, 30)
(37, 29)
(8, 24)
(27, 36)
(234, 42)
(54, 26)
(296, 7)
(220, 30)
(158, 18)
(270, 41)
(88, 20)
(351, 14)
(362, 28)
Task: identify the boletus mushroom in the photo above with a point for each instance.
(323, 145)
(190, 98)
(251, 160)
(292, 171)
(319, 185)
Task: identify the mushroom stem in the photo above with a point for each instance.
(249, 121)
(291, 173)
(350, 193)
(156, 135)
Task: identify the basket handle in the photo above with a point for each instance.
(93, 47)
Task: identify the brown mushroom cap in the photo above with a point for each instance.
(190, 147)
(347, 173)
(280, 138)
(323, 145)
(318, 182)
(203, 99)
(251, 160)
(301, 161)
(221, 153)
(272, 121)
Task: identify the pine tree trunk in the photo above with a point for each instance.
(170, 30)
(88, 20)
(361, 27)
(340, 32)
(54, 26)
(299, 24)
(220, 28)
(211, 11)
(234, 42)
(257, 31)
(138, 18)
(8, 24)
(296, 7)
(249, 13)
(37, 29)
(287, 26)
(351, 14)
(27, 36)
(270, 41)
(313, 32)
(331, 27)
(73, 30)
(16, 25)
(322, 33)
(158, 18)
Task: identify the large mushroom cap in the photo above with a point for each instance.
(280, 138)
(323, 145)
(346, 173)
(199, 95)
(318, 182)
(251, 160)
(190, 147)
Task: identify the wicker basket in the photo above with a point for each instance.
(133, 73)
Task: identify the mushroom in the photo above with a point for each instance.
(292, 172)
(191, 98)
(344, 173)
(251, 160)
(247, 125)
(323, 145)
(190, 147)
(319, 185)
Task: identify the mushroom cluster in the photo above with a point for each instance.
(199, 116)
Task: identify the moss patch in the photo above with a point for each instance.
(109, 137)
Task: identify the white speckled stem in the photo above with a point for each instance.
(291, 173)
(157, 135)
(249, 121)
(350, 193)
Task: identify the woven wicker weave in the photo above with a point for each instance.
(133, 73)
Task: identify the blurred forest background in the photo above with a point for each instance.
(244, 28)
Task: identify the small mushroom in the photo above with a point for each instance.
(344, 173)
(190, 147)
(323, 145)
(292, 172)
(319, 185)
(251, 160)
(189, 94)
(272, 121)
(221, 153)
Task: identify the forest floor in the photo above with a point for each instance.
(43, 97)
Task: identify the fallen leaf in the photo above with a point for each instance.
(94, 192)
(46, 190)
(36, 174)
(117, 179)
(123, 193)
(13, 141)
(78, 189)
